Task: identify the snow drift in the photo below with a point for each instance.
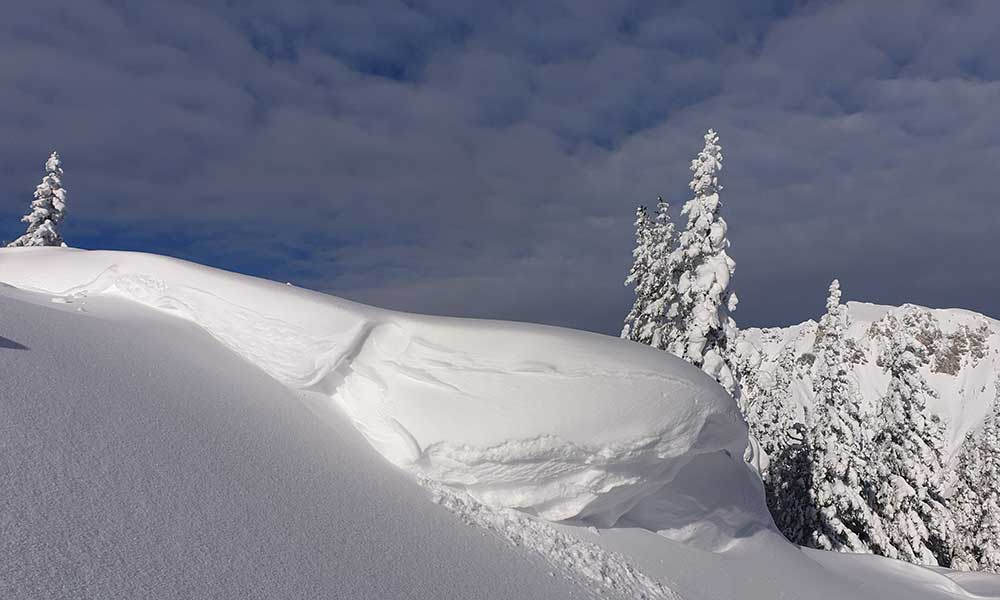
(133, 430)
(141, 459)
(559, 423)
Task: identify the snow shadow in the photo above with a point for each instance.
(713, 501)
(10, 344)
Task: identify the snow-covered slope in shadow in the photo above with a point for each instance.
(617, 464)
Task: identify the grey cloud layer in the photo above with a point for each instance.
(447, 158)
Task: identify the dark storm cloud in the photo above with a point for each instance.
(485, 159)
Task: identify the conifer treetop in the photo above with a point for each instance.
(706, 167)
(48, 209)
(833, 299)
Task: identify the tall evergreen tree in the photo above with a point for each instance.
(907, 460)
(844, 521)
(975, 503)
(652, 277)
(703, 328)
(47, 209)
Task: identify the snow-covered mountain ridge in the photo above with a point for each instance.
(961, 362)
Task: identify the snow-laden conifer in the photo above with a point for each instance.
(782, 438)
(47, 209)
(838, 438)
(966, 503)
(975, 503)
(703, 328)
(638, 278)
(788, 487)
(906, 461)
(988, 536)
(652, 278)
(767, 394)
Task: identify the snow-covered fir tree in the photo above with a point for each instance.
(638, 277)
(703, 328)
(47, 209)
(975, 502)
(788, 486)
(770, 411)
(907, 460)
(663, 271)
(966, 502)
(652, 276)
(781, 437)
(838, 441)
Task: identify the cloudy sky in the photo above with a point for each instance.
(485, 159)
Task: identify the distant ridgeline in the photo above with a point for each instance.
(960, 362)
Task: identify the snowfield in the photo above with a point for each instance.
(171, 430)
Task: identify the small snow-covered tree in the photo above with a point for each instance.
(47, 209)
(838, 440)
(975, 503)
(652, 277)
(907, 463)
(703, 328)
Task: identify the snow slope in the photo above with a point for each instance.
(963, 359)
(142, 460)
(127, 430)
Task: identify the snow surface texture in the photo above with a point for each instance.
(154, 438)
(963, 369)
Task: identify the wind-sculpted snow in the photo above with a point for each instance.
(130, 431)
(558, 423)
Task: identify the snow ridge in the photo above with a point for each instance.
(564, 425)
